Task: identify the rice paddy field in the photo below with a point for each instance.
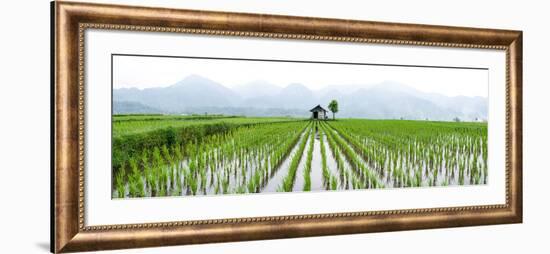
(163, 155)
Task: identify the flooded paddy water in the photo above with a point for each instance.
(278, 174)
(316, 170)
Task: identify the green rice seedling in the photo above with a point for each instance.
(148, 171)
(324, 167)
(217, 189)
(337, 156)
(307, 181)
(267, 168)
(136, 186)
(178, 154)
(254, 183)
(438, 146)
(218, 186)
(167, 154)
(157, 157)
(435, 173)
(193, 185)
(176, 192)
(461, 179)
(120, 185)
(144, 158)
(345, 174)
(240, 190)
(376, 153)
(162, 191)
(176, 189)
(225, 185)
(418, 178)
(346, 180)
(333, 183)
(355, 161)
(193, 167)
(355, 183)
(153, 179)
(166, 181)
(288, 181)
(307, 169)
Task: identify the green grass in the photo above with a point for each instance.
(128, 125)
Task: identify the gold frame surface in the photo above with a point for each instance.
(70, 20)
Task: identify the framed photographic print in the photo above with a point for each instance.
(180, 127)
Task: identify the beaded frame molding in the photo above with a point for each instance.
(69, 22)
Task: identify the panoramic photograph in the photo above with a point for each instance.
(190, 126)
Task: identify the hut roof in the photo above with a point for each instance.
(318, 108)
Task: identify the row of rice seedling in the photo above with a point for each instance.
(329, 180)
(288, 180)
(370, 177)
(412, 154)
(271, 163)
(134, 133)
(324, 167)
(349, 179)
(243, 159)
(365, 154)
(234, 162)
(276, 154)
(359, 148)
(307, 166)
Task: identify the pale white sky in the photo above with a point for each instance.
(147, 72)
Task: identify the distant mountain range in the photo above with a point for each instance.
(388, 100)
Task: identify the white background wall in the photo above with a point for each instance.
(24, 135)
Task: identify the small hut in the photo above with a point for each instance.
(318, 113)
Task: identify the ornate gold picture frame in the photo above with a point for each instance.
(69, 230)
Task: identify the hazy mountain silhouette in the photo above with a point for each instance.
(387, 100)
(256, 89)
(132, 107)
(195, 91)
